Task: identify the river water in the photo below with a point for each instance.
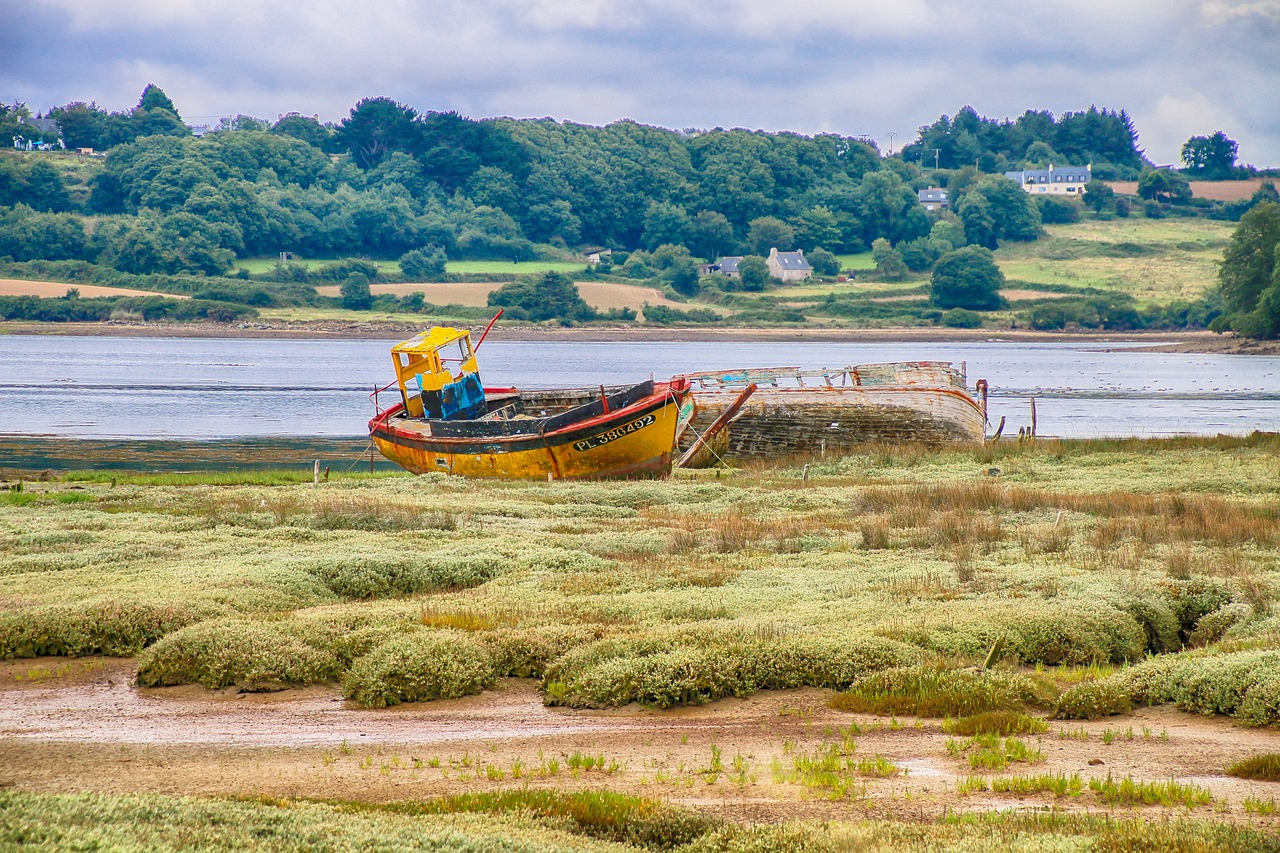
(109, 387)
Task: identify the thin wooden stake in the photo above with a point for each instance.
(1033, 417)
(315, 474)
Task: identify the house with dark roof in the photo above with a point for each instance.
(725, 266)
(45, 133)
(788, 266)
(933, 198)
(1059, 180)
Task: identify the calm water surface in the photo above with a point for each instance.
(104, 387)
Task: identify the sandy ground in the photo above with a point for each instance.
(21, 287)
(598, 294)
(81, 726)
(1215, 190)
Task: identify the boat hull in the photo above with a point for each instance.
(932, 408)
(631, 442)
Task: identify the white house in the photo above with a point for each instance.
(1055, 180)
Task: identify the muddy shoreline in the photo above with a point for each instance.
(84, 725)
(1187, 342)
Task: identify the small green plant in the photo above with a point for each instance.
(1253, 805)
(715, 768)
(991, 752)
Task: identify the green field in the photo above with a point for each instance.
(860, 261)
(1154, 260)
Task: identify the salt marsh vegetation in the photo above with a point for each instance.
(961, 594)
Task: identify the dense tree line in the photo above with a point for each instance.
(441, 184)
(1105, 138)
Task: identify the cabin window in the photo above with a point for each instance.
(456, 352)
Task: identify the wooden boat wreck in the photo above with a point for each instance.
(447, 421)
(784, 410)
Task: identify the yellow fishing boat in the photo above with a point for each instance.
(447, 421)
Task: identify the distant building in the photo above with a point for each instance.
(1060, 180)
(45, 134)
(933, 198)
(199, 130)
(724, 266)
(597, 254)
(788, 266)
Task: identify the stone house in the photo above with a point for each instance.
(788, 266)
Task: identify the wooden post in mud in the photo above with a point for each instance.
(315, 474)
(1033, 417)
(372, 450)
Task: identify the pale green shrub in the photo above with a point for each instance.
(1151, 682)
(1077, 635)
(355, 577)
(1218, 684)
(419, 667)
(1244, 684)
(1157, 619)
(678, 668)
(254, 656)
(104, 627)
(525, 653)
(1194, 598)
(1261, 703)
(1213, 626)
(813, 661)
(1092, 700)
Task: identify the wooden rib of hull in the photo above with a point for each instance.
(633, 442)
(780, 421)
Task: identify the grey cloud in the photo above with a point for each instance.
(1178, 66)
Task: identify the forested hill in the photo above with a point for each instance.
(388, 179)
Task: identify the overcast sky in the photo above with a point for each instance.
(1180, 67)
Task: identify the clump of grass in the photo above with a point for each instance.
(419, 667)
(1258, 806)
(1265, 767)
(1058, 784)
(926, 691)
(990, 752)
(995, 723)
(1128, 791)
